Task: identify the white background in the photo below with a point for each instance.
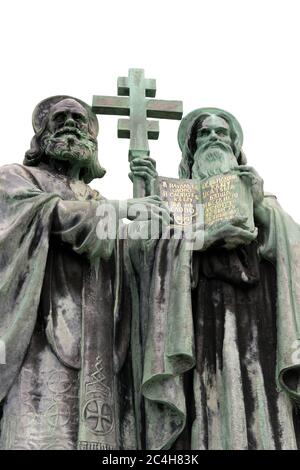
(239, 55)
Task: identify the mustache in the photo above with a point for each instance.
(65, 146)
(68, 136)
(74, 131)
(216, 143)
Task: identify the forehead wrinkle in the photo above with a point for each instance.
(214, 122)
(68, 105)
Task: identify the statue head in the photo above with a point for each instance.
(66, 131)
(211, 141)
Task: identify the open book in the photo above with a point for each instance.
(220, 199)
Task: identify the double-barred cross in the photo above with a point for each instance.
(132, 101)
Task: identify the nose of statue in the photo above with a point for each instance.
(70, 122)
(213, 136)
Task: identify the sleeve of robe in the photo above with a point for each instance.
(27, 217)
(169, 351)
(281, 245)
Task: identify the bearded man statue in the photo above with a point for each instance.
(221, 354)
(66, 381)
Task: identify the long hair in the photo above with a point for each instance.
(190, 147)
(36, 155)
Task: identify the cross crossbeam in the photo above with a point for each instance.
(132, 101)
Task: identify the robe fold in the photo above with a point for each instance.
(203, 354)
(221, 362)
(60, 298)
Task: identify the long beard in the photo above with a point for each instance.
(213, 160)
(76, 148)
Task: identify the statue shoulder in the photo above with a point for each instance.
(12, 168)
(270, 199)
(16, 169)
(266, 194)
(271, 202)
(16, 174)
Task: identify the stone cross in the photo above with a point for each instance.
(132, 101)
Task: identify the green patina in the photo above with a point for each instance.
(157, 343)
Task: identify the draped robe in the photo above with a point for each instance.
(219, 341)
(215, 336)
(60, 295)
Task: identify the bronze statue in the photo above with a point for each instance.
(164, 340)
(61, 292)
(221, 355)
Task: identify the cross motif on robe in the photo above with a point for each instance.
(100, 415)
(132, 101)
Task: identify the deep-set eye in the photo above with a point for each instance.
(221, 132)
(58, 117)
(79, 117)
(204, 132)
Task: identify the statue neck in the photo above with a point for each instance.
(64, 168)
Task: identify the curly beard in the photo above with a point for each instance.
(69, 145)
(213, 159)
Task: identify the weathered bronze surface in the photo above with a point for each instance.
(112, 342)
(62, 292)
(220, 320)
